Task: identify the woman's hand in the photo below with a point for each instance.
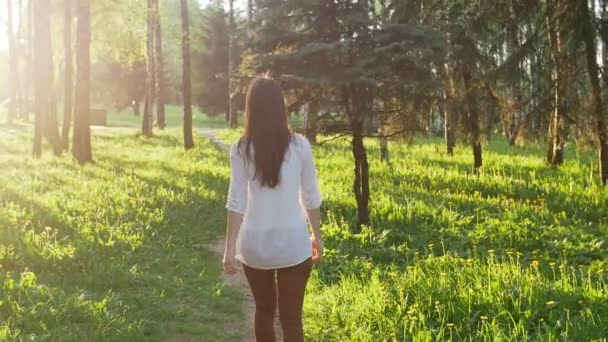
(317, 250)
(229, 262)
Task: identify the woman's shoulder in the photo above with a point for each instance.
(300, 141)
(238, 146)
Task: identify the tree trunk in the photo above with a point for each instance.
(555, 152)
(473, 119)
(46, 119)
(160, 74)
(354, 103)
(514, 89)
(186, 76)
(450, 119)
(146, 125)
(232, 113)
(81, 141)
(13, 66)
(29, 63)
(596, 90)
(68, 74)
(21, 58)
(135, 105)
(384, 151)
(312, 119)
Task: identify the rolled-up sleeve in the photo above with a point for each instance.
(309, 192)
(237, 193)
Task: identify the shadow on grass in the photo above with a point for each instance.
(142, 251)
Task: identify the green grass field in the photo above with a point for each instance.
(174, 116)
(113, 251)
(518, 253)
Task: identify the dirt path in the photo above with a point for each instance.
(237, 281)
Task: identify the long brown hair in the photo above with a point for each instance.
(267, 129)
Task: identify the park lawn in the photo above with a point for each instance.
(174, 117)
(517, 253)
(113, 251)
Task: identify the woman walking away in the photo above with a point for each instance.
(273, 198)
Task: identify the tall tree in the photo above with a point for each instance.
(213, 62)
(146, 125)
(13, 66)
(588, 34)
(232, 112)
(557, 31)
(46, 119)
(186, 76)
(68, 74)
(160, 73)
(81, 142)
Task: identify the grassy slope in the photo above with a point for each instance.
(114, 250)
(517, 253)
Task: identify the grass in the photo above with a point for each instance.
(113, 251)
(174, 117)
(517, 253)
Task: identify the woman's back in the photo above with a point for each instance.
(274, 232)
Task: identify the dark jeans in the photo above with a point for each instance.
(291, 283)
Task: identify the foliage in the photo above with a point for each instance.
(213, 61)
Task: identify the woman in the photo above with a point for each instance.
(273, 197)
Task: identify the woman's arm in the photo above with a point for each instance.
(314, 219)
(236, 205)
(232, 231)
(311, 195)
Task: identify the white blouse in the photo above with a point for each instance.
(274, 232)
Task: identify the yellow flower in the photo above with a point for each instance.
(450, 325)
(551, 303)
(484, 318)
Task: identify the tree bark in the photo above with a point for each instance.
(146, 125)
(354, 102)
(232, 113)
(81, 142)
(68, 74)
(13, 65)
(312, 120)
(160, 74)
(450, 118)
(514, 88)
(29, 62)
(135, 105)
(186, 76)
(555, 152)
(473, 119)
(596, 89)
(46, 120)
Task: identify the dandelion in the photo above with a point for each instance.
(450, 325)
(552, 264)
(431, 245)
(551, 303)
(581, 302)
(443, 274)
(484, 318)
(437, 303)
(491, 251)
